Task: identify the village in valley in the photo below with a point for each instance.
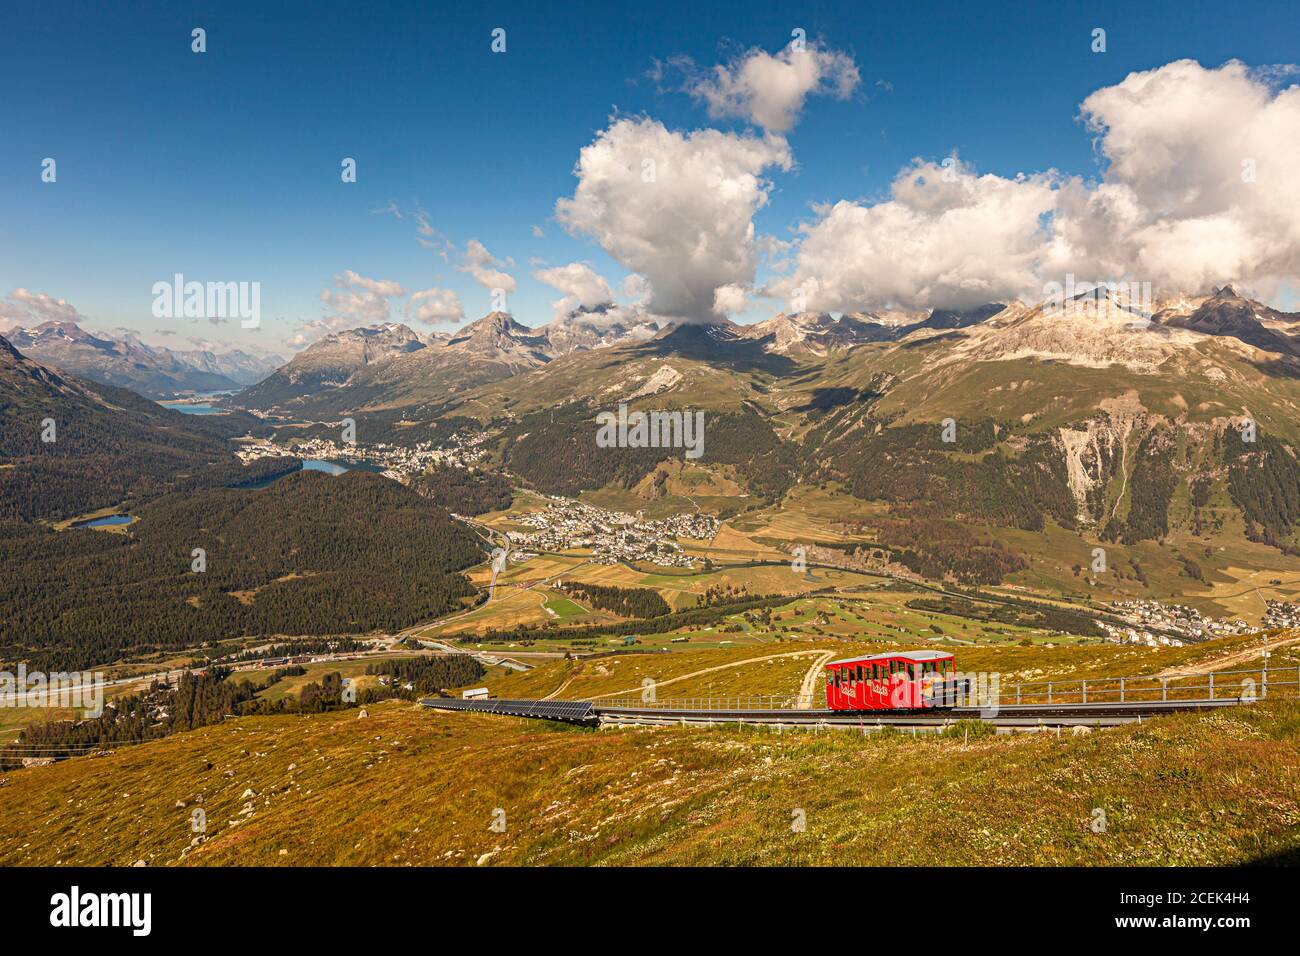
(613, 536)
(399, 462)
(1162, 625)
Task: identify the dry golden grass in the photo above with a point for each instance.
(412, 787)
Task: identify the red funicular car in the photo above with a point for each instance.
(898, 680)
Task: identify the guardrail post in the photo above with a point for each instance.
(1211, 687)
(1049, 691)
(1085, 692)
(1121, 690)
(1164, 688)
(1017, 693)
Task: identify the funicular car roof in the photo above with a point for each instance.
(895, 655)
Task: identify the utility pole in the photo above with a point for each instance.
(1263, 690)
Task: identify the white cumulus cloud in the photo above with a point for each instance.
(1197, 189)
(769, 90)
(947, 238)
(581, 284)
(435, 305)
(1200, 186)
(675, 207)
(729, 300)
(26, 308)
(354, 301)
(486, 269)
(358, 298)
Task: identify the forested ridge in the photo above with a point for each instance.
(556, 452)
(625, 602)
(464, 491)
(111, 447)
(311, 554)
(1264, 482)
(935, 548)
(1150, 488)
(427, 675)
(974, 478)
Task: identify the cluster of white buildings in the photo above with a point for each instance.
(1281, 614)
(396, 461)
(1134, 635)
(1145, 619)
(261, 448)
(613, 536)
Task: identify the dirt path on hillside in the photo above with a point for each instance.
(809, 684)
(709, 670)
(1218, 663)
(567, 681)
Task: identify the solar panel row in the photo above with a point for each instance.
(579, 711)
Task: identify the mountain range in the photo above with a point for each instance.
(392, 365)
(1091, 414)
(69, 445)
(123, 360)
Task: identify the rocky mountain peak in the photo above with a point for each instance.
(597, 327)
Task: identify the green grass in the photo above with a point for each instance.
(563, 607)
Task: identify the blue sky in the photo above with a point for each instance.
(225, 165)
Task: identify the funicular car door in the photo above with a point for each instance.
(895, 683)
(929, 684)
(901, 687)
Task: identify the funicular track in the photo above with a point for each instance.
(1091, 702)
(1029, 717)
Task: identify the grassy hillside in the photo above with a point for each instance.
(409, 787)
